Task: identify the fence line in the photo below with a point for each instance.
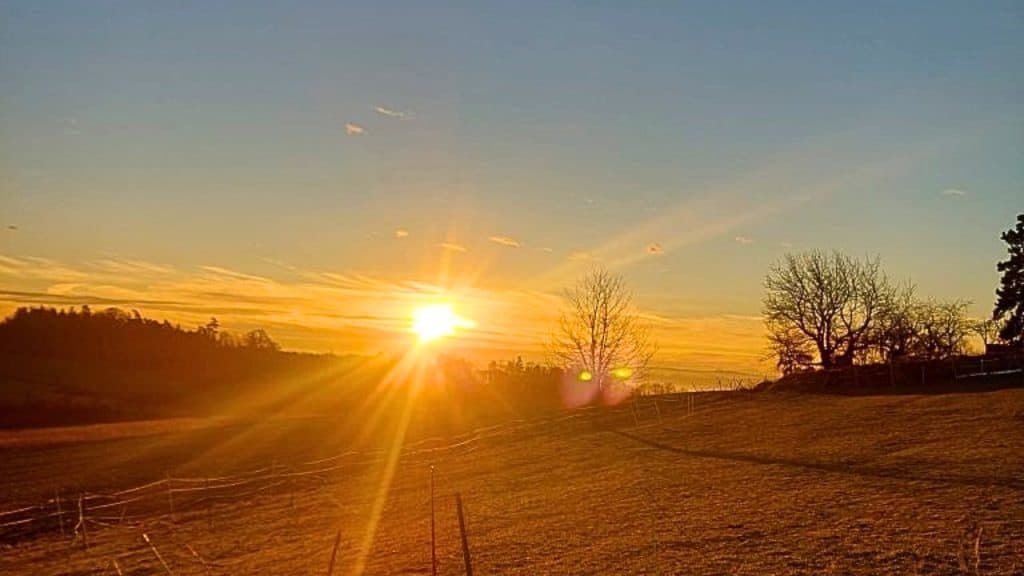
(93, 506)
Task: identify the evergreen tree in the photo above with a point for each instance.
(1010, 294)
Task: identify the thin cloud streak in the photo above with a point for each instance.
(506, 241)
(804, 175)
(391, 113)
(453, 247)
(319, 310)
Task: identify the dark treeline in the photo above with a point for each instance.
(65, 366)
(74, 365)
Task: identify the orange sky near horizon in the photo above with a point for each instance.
(320, 311)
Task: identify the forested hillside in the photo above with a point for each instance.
(71, 366)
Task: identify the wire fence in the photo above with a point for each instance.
(966, 372)
(75, 514)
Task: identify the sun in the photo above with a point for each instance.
(435, 321)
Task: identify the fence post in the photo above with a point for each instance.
(170, 495)
(433, 533)
(334, 553)
(81, 521)
(274, 490)
(209, 504)
(291, 489)
(60, 511)
(462, 531)
(922, 374)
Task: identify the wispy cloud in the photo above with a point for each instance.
(392, 113)
(954, 193)
(453, 246)
(655, 249)
(401, 233)
(730, 207)
(322, 310)
(354, 129)
(505, 241)
(743, 240)
(125, 266)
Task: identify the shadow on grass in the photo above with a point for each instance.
(863, 471)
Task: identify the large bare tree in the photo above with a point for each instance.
(600, 333)
(829, 299)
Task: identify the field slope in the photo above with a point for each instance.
(744, 484)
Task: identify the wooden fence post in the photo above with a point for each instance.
(81, 521)
(209, 504)
(274, 489)
(334, 553)
(433, 533)
(170, 496)
(60, 511)
(462, 531)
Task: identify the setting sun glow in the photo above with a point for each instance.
(434, 321)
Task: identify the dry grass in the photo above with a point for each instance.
(750, 484)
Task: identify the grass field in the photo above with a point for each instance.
(748, 483)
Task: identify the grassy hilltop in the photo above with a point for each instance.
(745, 484)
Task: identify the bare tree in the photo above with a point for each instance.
(942, 329)
(600, 334)
(790, 348)
(830, 299)
(894, 335)
(988, 330)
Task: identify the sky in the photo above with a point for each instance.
(321, 168)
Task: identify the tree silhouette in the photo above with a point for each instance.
(895, 333)
(259, 340)
(600, 332)
(1009, 306)
(942, 329)
(987, 329)
(830, 299)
